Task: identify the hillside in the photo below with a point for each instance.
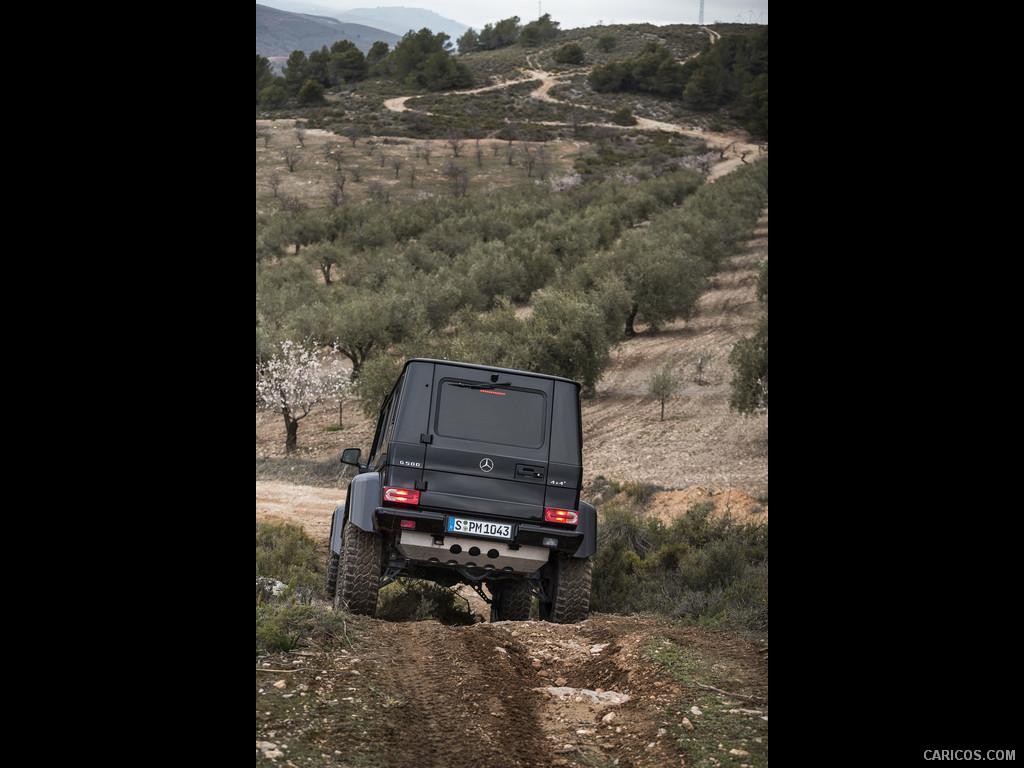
(613, 690)
(279, 33)
(628, 691)
(701, 450)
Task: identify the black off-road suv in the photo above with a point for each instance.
(474, 477)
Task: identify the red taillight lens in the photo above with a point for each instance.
(401, 496)
(407, 524)
(568, 516)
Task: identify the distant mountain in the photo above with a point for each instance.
(396, 20)
(278, 33)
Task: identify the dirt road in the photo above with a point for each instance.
(518, 695)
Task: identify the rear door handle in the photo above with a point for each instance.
(529, 472)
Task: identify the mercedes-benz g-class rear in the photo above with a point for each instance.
(474, 477)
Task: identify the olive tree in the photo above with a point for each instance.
(662, 385)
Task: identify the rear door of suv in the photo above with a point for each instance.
(487, 445)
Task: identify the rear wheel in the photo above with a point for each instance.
(569, 589)
(331, 574)
(512, 602)
(360, 564)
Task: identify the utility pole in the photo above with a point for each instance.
(700, 19)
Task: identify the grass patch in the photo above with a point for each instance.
(714, 729)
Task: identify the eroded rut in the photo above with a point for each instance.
(466, 696)
(531, 694)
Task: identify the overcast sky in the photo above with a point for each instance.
(581, 13)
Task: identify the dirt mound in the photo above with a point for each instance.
(734, 503)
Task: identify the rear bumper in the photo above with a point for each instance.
(472, 553)
(525, 535)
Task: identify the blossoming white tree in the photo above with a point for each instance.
(295, 381)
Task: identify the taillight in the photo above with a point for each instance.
(567, 516)
(401, 496)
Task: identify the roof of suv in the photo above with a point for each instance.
(489, 369)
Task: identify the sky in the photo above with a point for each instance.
(580, 13)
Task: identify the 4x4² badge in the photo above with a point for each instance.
(486, 465)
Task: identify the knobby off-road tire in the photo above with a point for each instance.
(331, 574)
(569, 588)
(359, 569)
(512, 602)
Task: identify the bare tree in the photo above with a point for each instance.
(701, 361)
(455, 139)
(291, 158)
(336, 193)
(354, 133)
(529, 161)
(263, 134)
(379, 192)
(300, 134)
(333, 154)
(458, 178)
(396, 164)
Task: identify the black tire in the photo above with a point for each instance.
(360, 565)
(512, 602)
(331, 574)
(569, 588)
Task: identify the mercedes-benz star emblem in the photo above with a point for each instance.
(486, 465)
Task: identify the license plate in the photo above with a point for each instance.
(479, 528)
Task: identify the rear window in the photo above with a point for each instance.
(491, 414)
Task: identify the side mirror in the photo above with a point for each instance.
(351, 456)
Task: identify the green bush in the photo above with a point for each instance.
(623, 116)
(700, 568)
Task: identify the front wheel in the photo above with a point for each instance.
(569, 588)
(359, 570)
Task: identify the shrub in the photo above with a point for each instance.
(623, 116)
(570, 53)
(286, 553)
(700, 568)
